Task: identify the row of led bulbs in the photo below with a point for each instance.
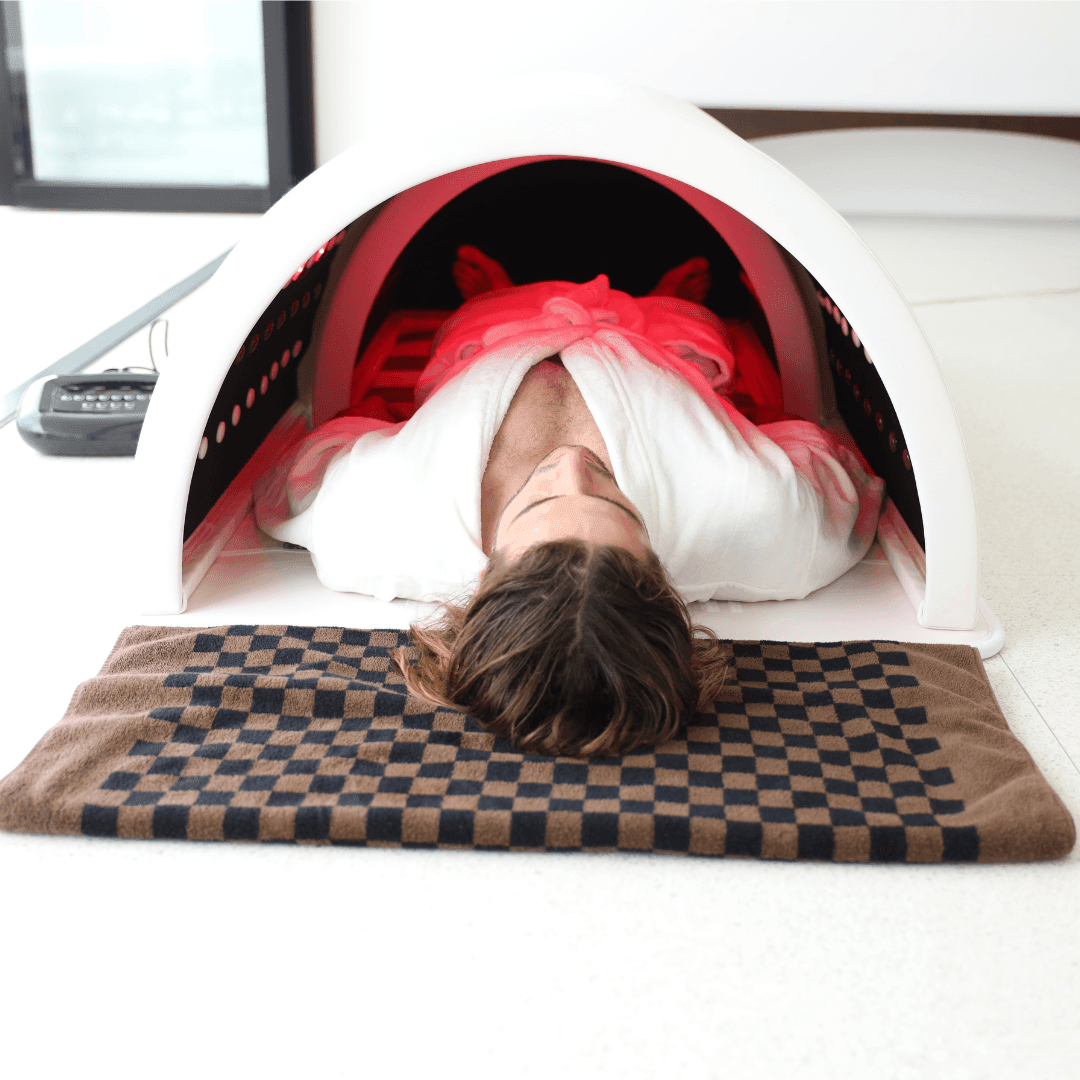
(867, 407)
(249, 400)
(250, 346)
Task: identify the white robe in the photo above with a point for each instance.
(733, 511)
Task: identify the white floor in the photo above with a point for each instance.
(128, 958)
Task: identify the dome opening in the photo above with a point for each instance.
(548, 219)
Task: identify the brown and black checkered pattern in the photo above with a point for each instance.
(305, 734)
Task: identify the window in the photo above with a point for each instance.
(163, 106)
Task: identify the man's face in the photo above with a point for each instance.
(570, 494)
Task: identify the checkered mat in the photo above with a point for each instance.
(854, 751)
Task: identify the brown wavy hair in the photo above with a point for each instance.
(573, 648)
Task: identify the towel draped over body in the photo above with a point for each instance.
(734, 511)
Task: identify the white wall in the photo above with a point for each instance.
(996, 57)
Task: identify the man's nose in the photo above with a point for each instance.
(575, 475)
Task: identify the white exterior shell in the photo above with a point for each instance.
(575, 116)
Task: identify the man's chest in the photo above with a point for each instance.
(547, 411)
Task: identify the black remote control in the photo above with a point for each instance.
(98, 414)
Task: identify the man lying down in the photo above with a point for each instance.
(573, 477)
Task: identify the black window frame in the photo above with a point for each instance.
(287, 66)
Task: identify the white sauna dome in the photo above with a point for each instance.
(345, 244)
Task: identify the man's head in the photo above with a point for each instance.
(571, 647)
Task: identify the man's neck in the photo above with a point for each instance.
(546, 412)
